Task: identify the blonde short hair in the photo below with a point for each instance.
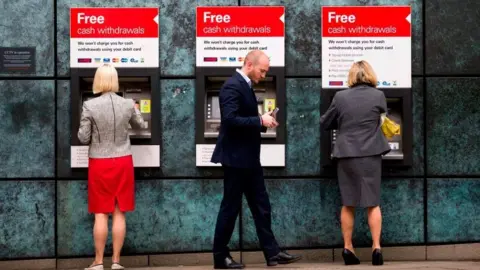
(106, 79)
(361, 73)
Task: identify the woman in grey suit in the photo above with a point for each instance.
(356, 115)
(111, 189)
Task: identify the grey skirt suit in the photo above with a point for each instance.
(355, 113)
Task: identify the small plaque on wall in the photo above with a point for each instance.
(17, 60)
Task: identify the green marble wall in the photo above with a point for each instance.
(43, 209)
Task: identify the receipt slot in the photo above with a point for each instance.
(140, 85)
(399, 106)
(270, 94)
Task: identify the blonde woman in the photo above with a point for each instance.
(104, 126)
(356, 115)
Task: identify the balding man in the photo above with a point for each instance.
(238, 150)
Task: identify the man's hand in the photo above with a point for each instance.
(268, 121)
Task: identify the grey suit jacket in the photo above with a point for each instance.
(355, 114)
(104, 125)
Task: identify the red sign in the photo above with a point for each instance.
(114, 23)
(371, 21)
(250, 21)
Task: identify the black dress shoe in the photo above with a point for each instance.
(283, 258)
(349, 257)
(228, 263)
(377, 257)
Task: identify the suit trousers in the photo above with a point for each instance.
(249, 181)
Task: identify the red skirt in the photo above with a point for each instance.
(110, 181)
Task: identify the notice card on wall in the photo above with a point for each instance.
(17, 60)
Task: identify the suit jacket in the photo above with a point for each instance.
(355, 114)
(239, 139)
(104, 125)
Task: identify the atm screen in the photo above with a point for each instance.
(213, 107)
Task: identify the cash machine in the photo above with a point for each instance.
(97, 38)
(265, 91)
(270, 94)
(140, 85)
(399, 106)
(219, 54)
(388, 53)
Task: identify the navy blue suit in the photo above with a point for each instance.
(238, 150)
(239, 140)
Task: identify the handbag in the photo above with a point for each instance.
(389, 127)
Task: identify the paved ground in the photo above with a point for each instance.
(447, 265)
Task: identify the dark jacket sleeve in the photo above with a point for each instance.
(328, 121)
(230, 104)
(383, 103)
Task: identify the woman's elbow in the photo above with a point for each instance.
(83, 138)
(85, 141)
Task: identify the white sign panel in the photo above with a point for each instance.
(271, 155)
(143, 156)
(124, 37)
(226, 34)
(380, 35)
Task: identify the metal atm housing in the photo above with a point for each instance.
(270, 93)
(399, 106)
(141, 85)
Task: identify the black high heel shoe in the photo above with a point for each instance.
(349, 257)
(377, 257)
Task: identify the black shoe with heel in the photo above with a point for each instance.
(377, 257)
(349, 257)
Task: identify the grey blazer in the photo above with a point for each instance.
(355, 114)
(104, 125)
